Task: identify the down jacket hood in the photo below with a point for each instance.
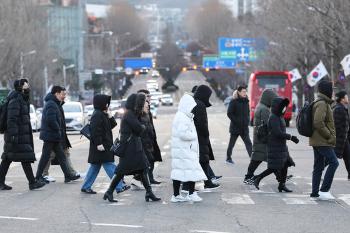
(51, 97)
(267, 96)
(278, 104)
(187, 103)
(101, 102)
(203, 94)
(130, 102)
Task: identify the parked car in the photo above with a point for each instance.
(144, 70)
(75, 116)
(167, 100)
(88, 110)
(153, 110)
(35, 119)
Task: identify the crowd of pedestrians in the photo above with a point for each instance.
(191, 149)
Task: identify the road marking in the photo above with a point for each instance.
(112, 225)
(345, 198)
(203, 231)
(19, 218)
(299, 201)
(237, 199)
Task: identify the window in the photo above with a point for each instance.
(271, 81)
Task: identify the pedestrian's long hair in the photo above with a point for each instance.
(139, 104)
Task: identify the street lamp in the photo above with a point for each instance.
(64, 72)
(22, 55)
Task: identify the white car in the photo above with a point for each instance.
(35, 119)
(167, 100)
(155, 73)
(151, 86)
(89, 110)
(75, 116)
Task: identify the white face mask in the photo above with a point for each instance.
(284, 110)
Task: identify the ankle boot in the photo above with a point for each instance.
(257, 182)
(4, 186)
(109, 193)
(282, 187)
(149, 194)
(109, 196)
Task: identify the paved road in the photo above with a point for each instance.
(234, 207)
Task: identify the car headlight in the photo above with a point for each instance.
(79, 119)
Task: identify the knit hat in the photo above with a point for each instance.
(326, 88)
(18, 84)
(340, 95)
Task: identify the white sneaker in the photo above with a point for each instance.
(195, 198)
(325, 196)
(178, 198)
(49, 178)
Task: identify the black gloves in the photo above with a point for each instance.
(294, 139)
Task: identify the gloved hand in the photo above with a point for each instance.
(100, 148)
(294, 139)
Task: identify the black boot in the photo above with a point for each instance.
(257, 182)
(151, 178)
(109, 196)
(36, 185)
(149, 194)
(4, 186)
(109, 193)
(282, 187)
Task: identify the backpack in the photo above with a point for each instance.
(304, 120)
(3, 116)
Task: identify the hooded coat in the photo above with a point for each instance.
(341, 122)
(261, 115)
(101, 131)
(134, 160)
(184, 144)
(18, 136)
(238, 112)
(201, 97)
(277, 148)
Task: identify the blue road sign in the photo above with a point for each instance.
(240, 49)
(137, 63)
(213, 61)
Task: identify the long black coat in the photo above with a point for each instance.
(277, 150)
(157, 156)
(147, 137)
(341, 122)
(201, 97)
(18, 136)
(52, 121)
(238, 112)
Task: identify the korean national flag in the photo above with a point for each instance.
(317, 74)
(295, 75)
(346, 65)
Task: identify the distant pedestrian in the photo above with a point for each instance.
(185, 152)
(202, 96)
(134, 160)
(101, 124)
(341, 122)
(323, 141)
(261, 116)
(238, 112)
(278, 158)
(52, 133)
(18, 137)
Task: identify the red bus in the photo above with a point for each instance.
(280, 81)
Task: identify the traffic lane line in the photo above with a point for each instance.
(204, 231)
(19, 218)
(112, 225)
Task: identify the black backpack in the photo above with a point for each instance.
(304, 120)
(3, 116)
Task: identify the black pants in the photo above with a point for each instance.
(281, 174)
(233, 139)
(346, 157)
(119, 176)
(56, 147)
(27, 168)
(150, 171)
(189, 187)
(207, 171)
(253, 165)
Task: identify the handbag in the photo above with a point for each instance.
(118, 148)
(85, 131)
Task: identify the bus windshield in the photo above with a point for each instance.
(271, 81)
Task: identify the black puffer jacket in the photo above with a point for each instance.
(238, 112)
(18, 136)
(101, 131)
(277, 150)
(134, 160)
(201, 97)
(341, 122)
(52, 122)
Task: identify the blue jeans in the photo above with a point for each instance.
(321, 155)
(93, 171)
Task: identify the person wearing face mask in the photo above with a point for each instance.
(278, 159)
(52, 133)
(18, 136)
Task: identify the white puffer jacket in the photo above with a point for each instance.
(184, 144)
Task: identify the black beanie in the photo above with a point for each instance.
(340, 95)
(18, 84)
(326, 88)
